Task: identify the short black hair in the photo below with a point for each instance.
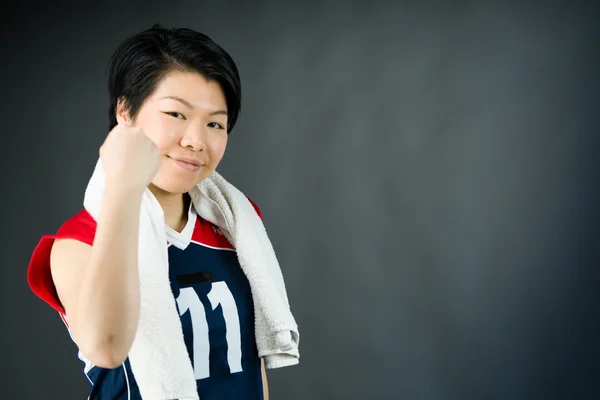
(141, 61)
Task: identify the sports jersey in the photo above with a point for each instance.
(213, 299)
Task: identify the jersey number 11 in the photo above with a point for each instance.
(188, 300)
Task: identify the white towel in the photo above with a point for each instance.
(158, 356)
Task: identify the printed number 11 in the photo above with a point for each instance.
(188, 300)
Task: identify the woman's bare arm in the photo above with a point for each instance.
(264, 379)
(99, 286)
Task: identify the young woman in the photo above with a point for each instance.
(175, 95)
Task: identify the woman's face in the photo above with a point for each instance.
(186, 117)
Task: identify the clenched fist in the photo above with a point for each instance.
(129, 158)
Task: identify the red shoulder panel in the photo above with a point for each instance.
(80, 227)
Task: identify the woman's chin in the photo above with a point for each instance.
(176, 186)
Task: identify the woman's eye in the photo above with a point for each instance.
(215, 125)
(175, 114)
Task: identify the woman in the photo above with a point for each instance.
(175, 95)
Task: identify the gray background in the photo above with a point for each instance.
(427, 172)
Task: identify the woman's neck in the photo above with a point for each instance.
(175, 207)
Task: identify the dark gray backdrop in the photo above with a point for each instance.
(427, 173)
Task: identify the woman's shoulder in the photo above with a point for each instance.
(81, 227)
(255, 207)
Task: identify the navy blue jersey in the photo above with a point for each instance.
(215, 305)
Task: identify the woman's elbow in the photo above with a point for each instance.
(107, 360)
(104, 354)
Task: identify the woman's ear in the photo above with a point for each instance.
(122, 113)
